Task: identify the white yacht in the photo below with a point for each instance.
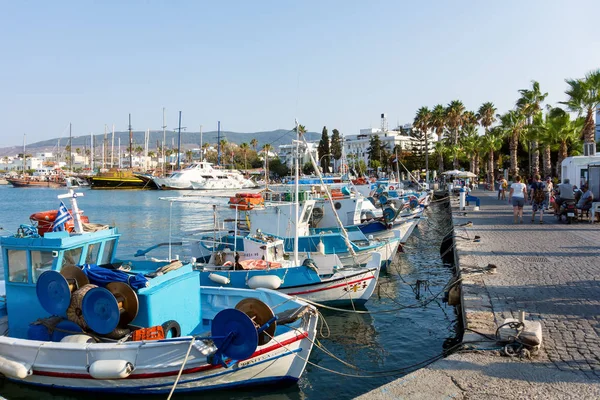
(202, 176)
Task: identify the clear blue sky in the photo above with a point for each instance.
(256, 65)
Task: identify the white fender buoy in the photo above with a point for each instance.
(321, 247)
(14, 369)
(111, 369)
(265, 281)
(223, 280)
(78, 339)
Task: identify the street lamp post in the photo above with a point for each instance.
(323, 156)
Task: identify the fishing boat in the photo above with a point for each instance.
(77, 318)
(50, 182)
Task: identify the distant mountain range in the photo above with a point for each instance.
(188, 140)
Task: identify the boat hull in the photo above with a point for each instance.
(120, 183)
(34, 183)
(156, 364)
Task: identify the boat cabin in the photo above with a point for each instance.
(27, 256)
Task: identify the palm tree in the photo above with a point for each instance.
(584, 97)
(244, 149)
(471, 144)
(490, 142)
(512, 124)
(469, 118)
(486, 115)
(266, 149)
(454, 119)
(440, 149)
(422, 122)
(561, 131)
(438, 123)
(254, 144)
(529, 104)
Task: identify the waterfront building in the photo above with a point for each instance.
(287, 151)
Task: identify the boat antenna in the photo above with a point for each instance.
(76, 215)
(296, 189)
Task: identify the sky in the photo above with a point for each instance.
(259, 65)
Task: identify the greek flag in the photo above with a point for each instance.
(62, 216)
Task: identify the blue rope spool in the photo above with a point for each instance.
(53, 293)
(100, 310)
(234, 334)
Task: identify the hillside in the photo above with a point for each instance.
(188, 140)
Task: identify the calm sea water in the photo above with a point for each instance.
(376, 342)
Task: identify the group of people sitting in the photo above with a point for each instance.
(541, 193)
(583, 197)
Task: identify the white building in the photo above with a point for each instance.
(287, 151)
(356, 146)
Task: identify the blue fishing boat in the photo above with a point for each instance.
(77, 318)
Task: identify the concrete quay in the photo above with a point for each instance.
(550, 271)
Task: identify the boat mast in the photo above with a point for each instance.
(201, 151)
(130, 144)
(296, 189)
(179, 142)
(219, 143)
(24, 158)
(397, 168)
(105, 147)
(70, 150)
(92, 151)
(164, 143)
(112, 148)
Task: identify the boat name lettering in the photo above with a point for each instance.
(263, 357)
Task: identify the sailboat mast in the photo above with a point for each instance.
(164, 144)
(179, 142)
(92, 151)
(130, 144)
(201, 152)
(296, 189)
(219, 143)
(70, 149)
(104, 147)
(112, 148)
(24, 158)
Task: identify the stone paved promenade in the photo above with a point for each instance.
(552, 272)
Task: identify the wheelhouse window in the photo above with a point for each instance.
(92, 254)
(17, 266)
(41, 261)
(72, 257)
(106, 256)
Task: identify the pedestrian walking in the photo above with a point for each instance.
(518, 196)
(537, 194)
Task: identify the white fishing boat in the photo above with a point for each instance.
(67, 328)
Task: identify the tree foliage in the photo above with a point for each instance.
(323, 150)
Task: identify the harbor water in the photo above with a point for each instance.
(404, 323)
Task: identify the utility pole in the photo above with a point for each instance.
(130, 144)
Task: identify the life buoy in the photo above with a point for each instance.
(391, 187)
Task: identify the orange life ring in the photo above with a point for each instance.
(391, 188)
(44, 220)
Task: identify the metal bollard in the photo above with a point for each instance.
(463, 196)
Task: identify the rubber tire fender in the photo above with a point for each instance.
(173, 327)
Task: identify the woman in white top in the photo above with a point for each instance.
(518, 196)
